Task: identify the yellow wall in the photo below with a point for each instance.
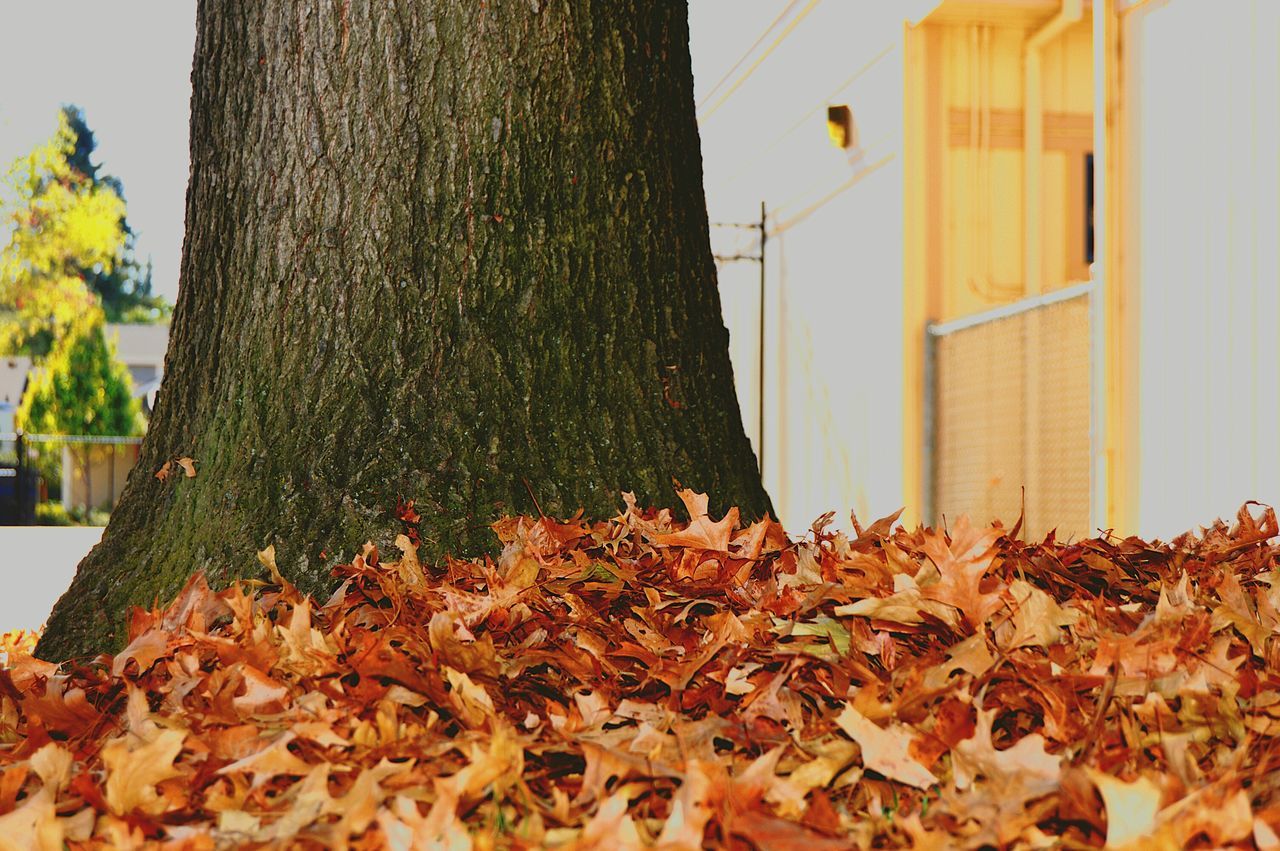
(963, 152)
(979, 187)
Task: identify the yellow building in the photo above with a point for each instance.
(1023, 256)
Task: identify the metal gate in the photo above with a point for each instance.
(1011, 405)
(17, 483)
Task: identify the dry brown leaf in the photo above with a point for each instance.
(134, 770)
(1037, 619)
(962, 564)
(701, 533)
(1026, 763)
(631, 681)
(271, 761)
(887, 751)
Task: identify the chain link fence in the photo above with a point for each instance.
(1011, 406)
(53, 478)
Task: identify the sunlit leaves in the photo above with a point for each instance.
(58, 222)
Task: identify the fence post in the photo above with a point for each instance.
(928, 414)
(88, 482)
(24, 513)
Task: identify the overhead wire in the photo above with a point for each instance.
(782, 36)
(783, 224)
(849, 81)
(743, 58)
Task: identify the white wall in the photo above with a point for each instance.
(1202, 246)
(833, 374)
(37, 564)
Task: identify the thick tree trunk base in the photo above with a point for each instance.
(442, 251)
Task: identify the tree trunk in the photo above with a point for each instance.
(440, 250)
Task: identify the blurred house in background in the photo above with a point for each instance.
(13, 378)
(14, 370)
(141, 348)
(974, 286)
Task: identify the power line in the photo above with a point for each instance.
(743, 58)
(800, 16)
(748, 167)
(783, 226)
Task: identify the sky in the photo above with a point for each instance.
(127, 63)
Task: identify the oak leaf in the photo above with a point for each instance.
(907, 606)
(701, 533)
(34, 825)
(1026, 764)
(471, 702)
(143, 651)
(887, 751)
(261, 693)
(962, 563)
(1037, 619)
(271, 761)
(1131, 807)
(133, 772)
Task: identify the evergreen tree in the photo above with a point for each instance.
(82, 388)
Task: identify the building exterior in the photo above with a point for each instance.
(14, 370)
(1022, 256)
(141, 348)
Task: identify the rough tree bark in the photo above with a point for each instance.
(434, 249)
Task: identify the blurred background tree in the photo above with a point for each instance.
(125, 286)
(70, 249)
(82, 388)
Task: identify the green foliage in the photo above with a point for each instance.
(83, 388)
(70, 246)
(52, 514)
(59, 223)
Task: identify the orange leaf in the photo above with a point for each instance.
(133, 772)
(886, 751)
(701, 532)
(962, 563)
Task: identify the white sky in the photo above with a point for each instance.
(127, 63)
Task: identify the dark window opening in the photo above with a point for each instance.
(1088, 207)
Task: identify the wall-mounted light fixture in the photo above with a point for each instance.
(840, 127)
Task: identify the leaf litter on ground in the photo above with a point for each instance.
(648, 683)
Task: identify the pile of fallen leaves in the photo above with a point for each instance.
(643, 682)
